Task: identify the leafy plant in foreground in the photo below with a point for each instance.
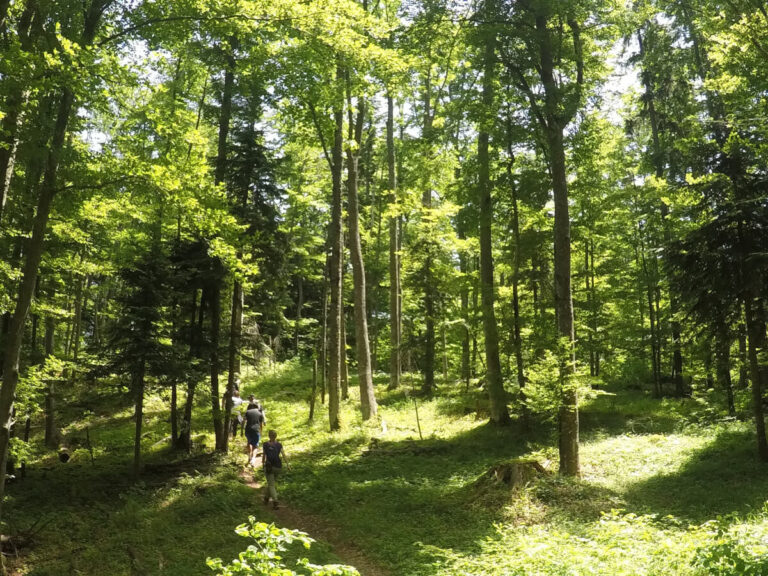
(262, 558)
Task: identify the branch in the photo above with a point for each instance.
(316, 122)
(570, 111)
(100, 185)
(525, 87)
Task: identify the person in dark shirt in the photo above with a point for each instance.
(254, 422)
(270, 459)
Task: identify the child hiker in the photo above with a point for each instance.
(270, 459)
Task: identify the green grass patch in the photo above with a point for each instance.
(662, 491)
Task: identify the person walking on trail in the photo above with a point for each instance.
(254, 422)
(236, 414)
(270, 459)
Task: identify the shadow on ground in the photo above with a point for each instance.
(724, 478)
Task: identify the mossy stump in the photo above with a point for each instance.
(514, 473)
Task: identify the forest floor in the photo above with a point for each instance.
(668, 487)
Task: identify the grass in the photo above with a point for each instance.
(661, 492)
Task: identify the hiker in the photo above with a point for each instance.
(272, 464)
(236, 416)
(254, 422)
(252, 400)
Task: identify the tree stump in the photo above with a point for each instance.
(515, 473)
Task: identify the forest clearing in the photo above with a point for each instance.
(383, 287)
(665, 489)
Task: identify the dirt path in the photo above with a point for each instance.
(319, 529)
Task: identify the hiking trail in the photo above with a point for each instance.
(317, 528)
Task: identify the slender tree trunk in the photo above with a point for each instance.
(195, 335)
(235, 332)
(395, 321)
(655, 369)
(313, 394)
(33, 256)
(138, 383)
(218, 421)
(569, 412)
(465, 340)
(755, 317)
(723, 361)
(336, 242)
(427, 273)
(496, 393)
(344, 360)
(9, 128)
(299, 306)
(594, 309)
(658, 162)
(517, 340)
(324, 338)
(743, 362)
(225, 115)
(50, 399)
(365, 376)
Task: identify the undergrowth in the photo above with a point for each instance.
(665, 489)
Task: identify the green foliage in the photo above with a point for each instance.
(734, 551)
(550, 378)
(262, 558)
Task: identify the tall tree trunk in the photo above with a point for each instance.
(14, 104)
(743, 362)
(755, 317)
(9, 128)
(299, 306)
(655, 368)
(225, 115)
(465, 340)
(516, 337)
(427, 273)
(493, 377)
(723, 361)
(33, 256)
(324, 337)
(50, 400)
(336, 242)
(235, 332)
(569, 411)
(344, 360)
(395, 317)
(138, 383)
(658, 163)
(195, 336)
(218, 422)
(368, 406)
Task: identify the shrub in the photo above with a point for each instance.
(262, 558)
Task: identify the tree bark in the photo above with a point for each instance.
(394, 255)
(324, 337)
(138, 383)
(299, 306)
(496, 393)
(195, 335)
(225, 115)
(755, 318)
(368, 406)
(516, 337)
(33, 256)
(428, 279)
(336, 243)
(569, 411)
(723, 363)
(235, 332)
(50, 400)
(218, 421)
